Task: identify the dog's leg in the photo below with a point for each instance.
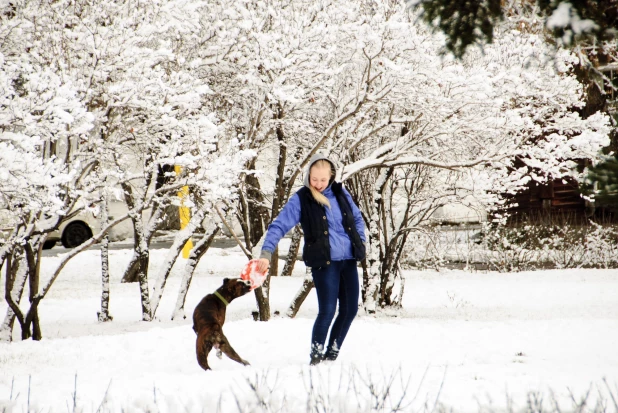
(227, 349)
(202, 348)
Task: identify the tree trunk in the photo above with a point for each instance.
(131, 272)
(4, 253)
(391, 273)
(279, 192)
(16, 276)
(371, 278)
(103, 315)
(396, 301)
(33, 249)
(262, 294)
(195, 255)
(142, 276)
(386, 284)
(292, 252)
(137, 270)
(182, 237)
(257, 212)
(262, 300)
(301, 295)
(142, 237)
(33, 320)
(273, 269)
(257, 216)
(380, 278)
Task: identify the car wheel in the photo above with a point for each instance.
(47, 245)
(76, 233)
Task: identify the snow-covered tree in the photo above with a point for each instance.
(270, 82)
(138, 69)
(211, 181)
(367, 84)
(474, 119)
(134, 73)
(460, 125)
(42, 180)
(219, 89)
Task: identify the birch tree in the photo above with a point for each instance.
(104, 315)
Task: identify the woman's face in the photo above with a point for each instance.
(319, 177)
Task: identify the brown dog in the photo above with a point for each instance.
(208, 319)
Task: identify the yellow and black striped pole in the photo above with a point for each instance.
(184, 213)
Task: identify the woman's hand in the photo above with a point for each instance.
(263, 265)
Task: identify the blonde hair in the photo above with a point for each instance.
(317, 195)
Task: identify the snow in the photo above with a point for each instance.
(468, 339)
(560, 17)
(564, 15)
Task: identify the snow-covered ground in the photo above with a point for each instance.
(467, 340)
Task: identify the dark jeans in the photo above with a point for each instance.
(337, 281)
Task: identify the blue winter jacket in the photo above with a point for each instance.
(340, 244)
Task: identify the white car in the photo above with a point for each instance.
(76, 230)
(70, 233)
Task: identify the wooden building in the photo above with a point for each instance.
(561, 200)
(557, 201)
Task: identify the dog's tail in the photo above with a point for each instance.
(202, 348)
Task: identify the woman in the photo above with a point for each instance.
(334, 234)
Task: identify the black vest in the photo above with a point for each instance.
(316, 252)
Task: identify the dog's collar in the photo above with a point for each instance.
(221, 298)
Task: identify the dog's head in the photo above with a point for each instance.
(236, 286)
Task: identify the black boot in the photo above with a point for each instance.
(316, 356)
(316, 359)
(331, 355)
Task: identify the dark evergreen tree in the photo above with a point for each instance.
(467, 22)
(605, 175)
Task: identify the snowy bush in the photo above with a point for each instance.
(602, 246)
(494, 248)
(521, 248)
(591, 246)
(436, 247)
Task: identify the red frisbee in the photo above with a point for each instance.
(250, 272)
